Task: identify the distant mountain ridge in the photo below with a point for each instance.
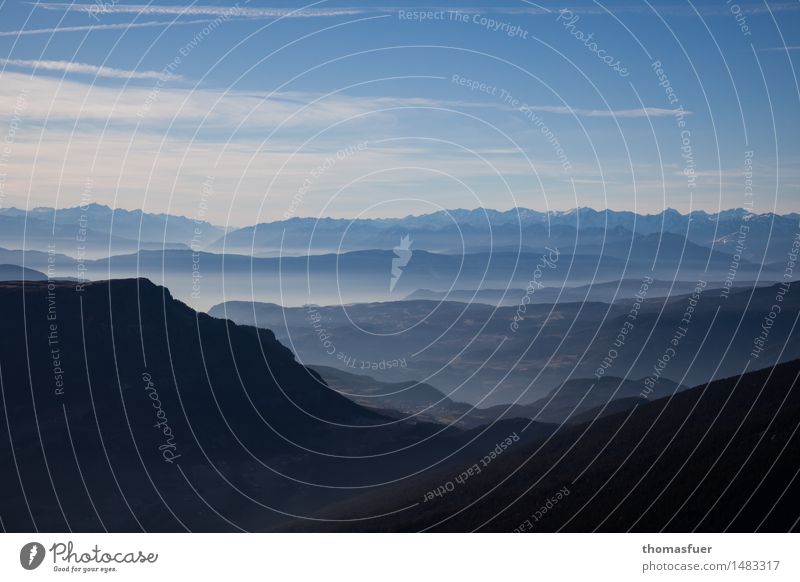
(115, 230)
(94, 230)
(486, 228)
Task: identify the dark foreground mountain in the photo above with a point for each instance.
(577, 398)
(125, 410)
(719, 457)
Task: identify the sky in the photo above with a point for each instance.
(254, 111)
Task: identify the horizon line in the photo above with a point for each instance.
(407, 216)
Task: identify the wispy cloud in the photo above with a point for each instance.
(71, 130)
(170, 138)
(765, 8)
(625, 113)
(184, 107)
(87, 69)
(199, 10)
(678, 9)
(98, 27)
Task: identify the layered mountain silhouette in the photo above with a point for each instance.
(331, 388)
(454, 346)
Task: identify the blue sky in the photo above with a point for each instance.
(263, 110)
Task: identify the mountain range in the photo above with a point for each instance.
(94, 230)
(583, 250)
(759, 238)
(763, 236)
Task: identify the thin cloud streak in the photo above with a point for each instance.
(97, 27)
(87, 69)
(625, 113)
(194, 10)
